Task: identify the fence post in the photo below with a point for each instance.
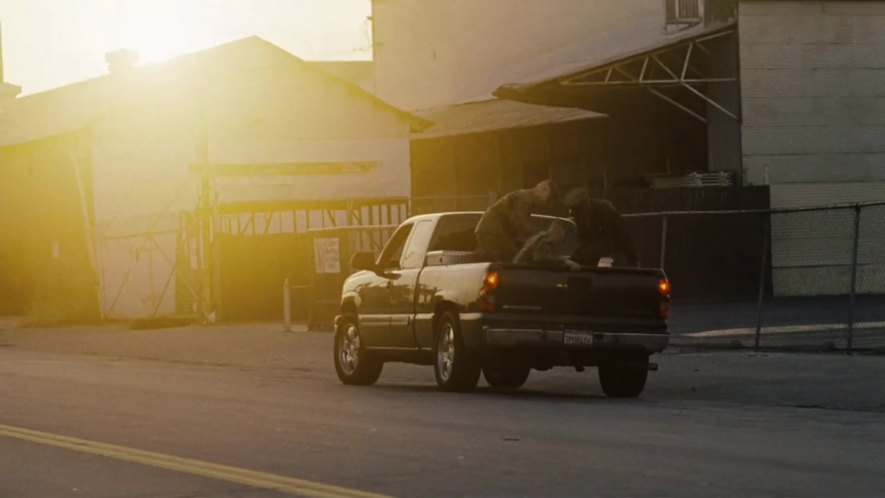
(763, 265)
(663, 241)
(853, 290)
(287, 306)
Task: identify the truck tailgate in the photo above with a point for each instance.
(599, 292)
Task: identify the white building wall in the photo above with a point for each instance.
(302, 117)
(142, 154)
(432, 53)
(812, 79)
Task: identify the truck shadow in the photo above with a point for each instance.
(490, 392)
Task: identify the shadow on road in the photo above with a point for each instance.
(510, 394)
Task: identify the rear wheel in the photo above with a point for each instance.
(353, 364)
(503, 374)
(455, 368)
(624, 376)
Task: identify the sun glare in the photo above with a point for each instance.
(49, 43)
(157, 49)
(157, 31)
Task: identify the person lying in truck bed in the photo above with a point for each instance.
(542, 248)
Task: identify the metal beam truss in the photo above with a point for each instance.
(686, 66)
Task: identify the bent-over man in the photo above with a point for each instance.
(600, 229)
(508, 222)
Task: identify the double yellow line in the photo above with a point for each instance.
(227, 473)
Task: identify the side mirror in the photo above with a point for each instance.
(363, 261)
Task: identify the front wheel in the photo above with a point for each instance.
(624, 376)
(353, 364)
(455, 368)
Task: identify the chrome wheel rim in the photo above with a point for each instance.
(445, 351)
(349, 349)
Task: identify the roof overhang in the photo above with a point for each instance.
(495, 115)
(680, 71)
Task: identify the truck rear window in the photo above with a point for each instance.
(455, 233)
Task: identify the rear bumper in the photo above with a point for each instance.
(653, 343)
(482, 331)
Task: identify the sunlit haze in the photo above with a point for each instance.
(48, 43)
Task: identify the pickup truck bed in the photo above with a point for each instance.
(429, 300)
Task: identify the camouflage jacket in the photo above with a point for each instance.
(510, 216)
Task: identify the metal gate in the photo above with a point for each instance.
(259, 246)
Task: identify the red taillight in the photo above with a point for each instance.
(664, 291)
(487, 292)
(491, 281)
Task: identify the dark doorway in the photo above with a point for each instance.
(252, 270)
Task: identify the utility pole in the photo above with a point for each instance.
(204, 221)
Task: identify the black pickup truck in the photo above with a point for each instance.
(429, 299)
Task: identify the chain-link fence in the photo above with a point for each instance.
(811, 278)
(808, 278)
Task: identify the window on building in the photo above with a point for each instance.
(683, 13)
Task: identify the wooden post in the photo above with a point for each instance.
(287, 306)
(204, 217)
(204, 214)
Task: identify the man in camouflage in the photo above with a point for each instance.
(543, 248)
(600, 230)
(508, 222)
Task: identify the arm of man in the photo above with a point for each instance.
(521, 215)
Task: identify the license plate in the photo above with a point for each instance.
(577, 338)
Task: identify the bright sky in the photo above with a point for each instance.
(48, 43)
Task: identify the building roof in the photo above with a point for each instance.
(357, 72)
(593, 61)
(679, 71)
(495, 114)
(72, 107)
(594, 47)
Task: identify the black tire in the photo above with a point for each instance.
(455, 368)
(624, 376)
(503, 374)
(353, 364)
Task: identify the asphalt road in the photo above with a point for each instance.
(711, 424)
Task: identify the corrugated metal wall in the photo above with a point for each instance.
(813, 96)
